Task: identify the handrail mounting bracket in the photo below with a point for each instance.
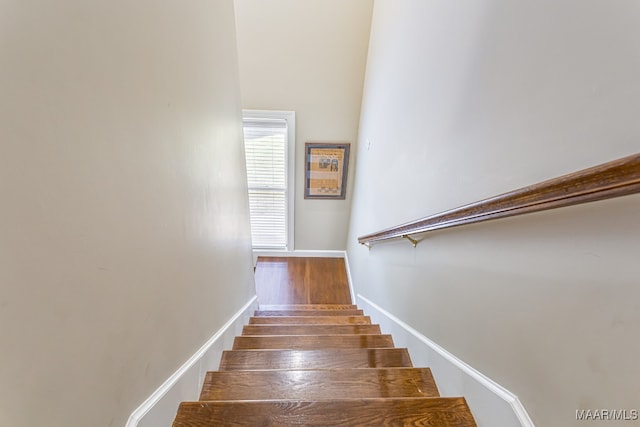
(414, 242)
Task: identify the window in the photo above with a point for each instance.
(269, 138)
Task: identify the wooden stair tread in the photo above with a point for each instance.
(308, 307)
(310, 312)
(315, 359)
(299, 363)
(315, 320)
(309, 329)
(441, 412)
(301, 342)
(317, 384)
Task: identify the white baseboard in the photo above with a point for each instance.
(300, 253)
(491, 404)
(349, 278)
(160, 408)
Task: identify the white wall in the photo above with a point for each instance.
(463, 101)
(185, 384)
(124, 240)
(308, 56)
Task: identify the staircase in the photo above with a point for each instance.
(319, 365)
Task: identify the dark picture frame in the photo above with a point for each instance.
(326, 170)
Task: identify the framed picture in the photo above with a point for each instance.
(326, 166)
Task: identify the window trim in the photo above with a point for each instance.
(290, 118)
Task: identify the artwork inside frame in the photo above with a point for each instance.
(326, 167)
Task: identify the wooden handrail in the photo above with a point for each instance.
(612, 179)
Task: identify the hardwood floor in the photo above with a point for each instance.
(301, 281)
(308, 357)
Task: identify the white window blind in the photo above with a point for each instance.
(265, 142)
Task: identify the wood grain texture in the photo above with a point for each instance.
(308, 312)
(300, 280)
(613, 179)
(312, 342)
(315, 359)
(309, 357)
(318, 384)
(315, 320)
(426, 412)
(310, 329)
(308, 307)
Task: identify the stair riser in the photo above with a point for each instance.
(310, 329)
(308, 307)
(311, 320)
(315, 359)
(266, 313)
